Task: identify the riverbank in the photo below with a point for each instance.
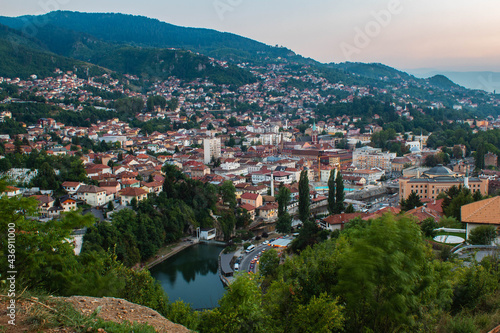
(168, 251)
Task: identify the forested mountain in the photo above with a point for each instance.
(131, 39)
(373, 71)
(146, 32)
(23, 56)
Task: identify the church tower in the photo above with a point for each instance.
(314, 134)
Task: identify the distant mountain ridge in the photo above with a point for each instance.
(137, 45)
(147, 32)
(23, 55)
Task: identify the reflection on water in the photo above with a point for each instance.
(191, 276)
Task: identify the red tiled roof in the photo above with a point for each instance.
(250, 196)
(380, 212)
(485, 211)
(247, 207)
(342, 218)
(269, 206)
(70, 184)
(132, 192)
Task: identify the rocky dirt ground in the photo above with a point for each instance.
(29, 314)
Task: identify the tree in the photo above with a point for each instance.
(227, 222)
(450, 222)
(284, 196)
(457, 152)
(243, 218)
(240, 309)
(482, 235)
(321, 314)
(284, 223)
(350, 209)
(413, 201)
(304, 198)
(454, 209)
(479, 156)
(228, 193)
(385, 277)
(331, 192)
(339, 194)
(429, 227)
(46, 178)
(156, 100)
(269, 262)
(173, 104)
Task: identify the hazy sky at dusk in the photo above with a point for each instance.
(408, 34)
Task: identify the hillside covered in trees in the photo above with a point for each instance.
(378, 276)
(58, 48)
(146, 32)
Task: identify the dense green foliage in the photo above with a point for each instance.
(284, 223)
(143, 31)
(304, 197)
(160, 64)
(19, 60)
(70, 168)
(456, 197)
(121, 55)
(413, 201)
(45, 259)
(136, 235)
(30, 113)
(228, 193)
(459, 134)
(379, 276)
(339, 194)
(483, 235)
(331, 192)
(429, 227)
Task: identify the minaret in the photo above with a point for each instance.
(272, 184)
(466, 179)
(421, 146)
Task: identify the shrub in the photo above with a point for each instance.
(462, 325)
(482, 235)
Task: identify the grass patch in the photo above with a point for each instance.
(458, 234)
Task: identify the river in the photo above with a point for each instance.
(191, 276)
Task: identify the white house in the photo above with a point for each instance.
(92, 195)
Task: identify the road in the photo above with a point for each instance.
(247, 258)
(478, 255)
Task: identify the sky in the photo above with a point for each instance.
(411, 35)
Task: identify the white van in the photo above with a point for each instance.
(250, 248)
(236, 267)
